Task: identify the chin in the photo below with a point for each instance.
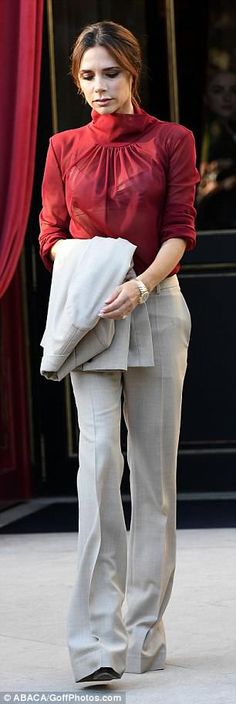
(106, 110)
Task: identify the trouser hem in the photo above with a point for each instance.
(138, 665)
(89, 663)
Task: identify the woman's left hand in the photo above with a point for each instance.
(121, 302)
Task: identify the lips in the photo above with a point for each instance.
(103, 100)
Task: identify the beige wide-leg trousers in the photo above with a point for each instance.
(122, 586)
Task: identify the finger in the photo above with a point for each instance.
(113, 295)
(117, 304)
(114, 315)
(112, 309)
(114, 312)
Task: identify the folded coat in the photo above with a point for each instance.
(85, 272)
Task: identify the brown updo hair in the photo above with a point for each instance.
(119, 41)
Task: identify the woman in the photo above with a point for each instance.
(125, 174)
(217, 191)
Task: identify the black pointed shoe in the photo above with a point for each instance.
(103, 674)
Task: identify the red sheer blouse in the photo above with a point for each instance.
(130, 176)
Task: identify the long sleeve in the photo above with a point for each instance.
(54, 218)
(178, 218)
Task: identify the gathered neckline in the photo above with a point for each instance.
(120, 128)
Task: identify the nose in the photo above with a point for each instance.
(227, 97)
(99, 84)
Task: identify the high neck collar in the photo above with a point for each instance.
(120, 128)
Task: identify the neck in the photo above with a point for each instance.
(127, 109)
(121, 128)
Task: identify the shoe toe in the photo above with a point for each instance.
(103, 674)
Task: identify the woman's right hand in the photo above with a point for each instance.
(54, 249)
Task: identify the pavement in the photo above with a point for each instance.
(38, 572)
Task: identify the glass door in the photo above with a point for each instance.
(206, 69)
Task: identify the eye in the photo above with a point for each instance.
(113, 75)
(217, 90)
(90, 76)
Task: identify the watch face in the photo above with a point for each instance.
(144, 297)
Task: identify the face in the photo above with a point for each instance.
(105, 84)
(221, 95)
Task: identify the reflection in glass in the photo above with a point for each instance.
(216, 195)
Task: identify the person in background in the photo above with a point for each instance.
(216, 195)
(125, 174)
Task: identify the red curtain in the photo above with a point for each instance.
(20, 60)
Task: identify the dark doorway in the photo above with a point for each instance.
(207, 450)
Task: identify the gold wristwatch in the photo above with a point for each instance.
(143, 290)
